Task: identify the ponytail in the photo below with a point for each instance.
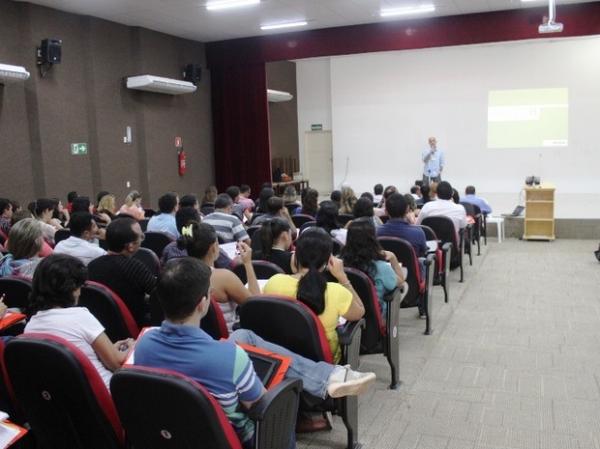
(311, 290)
(270, 231)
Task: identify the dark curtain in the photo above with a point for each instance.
(241, 126)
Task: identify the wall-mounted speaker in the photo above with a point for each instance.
(50, 51)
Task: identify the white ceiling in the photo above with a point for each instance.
(190, 19)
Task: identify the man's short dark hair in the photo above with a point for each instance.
(444, 190)
(188, 200)
(244, 188)
(470, 190)
(184, 215)
(368, 195)
(167, 203)
(233, 192)
(80, 222)
(396, 205)
(119, 234)
(4, 205)
(80, 204)
(274, 205)
(378, 189)
(223, 201)
(44, 204)
(182, 284)
(415, 189)
(71, 196)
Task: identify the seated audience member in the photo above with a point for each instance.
(425, 195)
(470, 197)
(107, 205)
(165, 220)
(24, 242)
(415, 191)
(328, 300)
(276, 239)
(245, 200)
(21, 215)
(70, 197)
(380, 211)
(183, 217)
(433, 191)
(221, 366)
(455, 196)
(444, 206)
(16, 206)
(229, 228)
(412, 211)
(133, 206)
(43, 210)
(201, 243)
(6, 212)
(348, 200)
(363, 252)
(336, 197)
(101, 194)
(327, 219)
(368, 195)
(238, 209)
(377, 193)
(82, 244)
(55, 293)
(275, 208)
(83, 204)
(364, 208)
(189, 200)
(310, 200)
(127, 277)
(265, 193)
(60, 215)
(398, 225)
(210, 196)
(290, 198)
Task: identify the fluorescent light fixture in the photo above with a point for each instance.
(12, 73)
(406, 11)
(226, 4)
(276, 26)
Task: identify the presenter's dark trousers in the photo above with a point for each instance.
(428, 179)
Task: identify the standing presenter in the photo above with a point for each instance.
(433, 160)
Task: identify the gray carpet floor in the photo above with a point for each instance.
(513, 363)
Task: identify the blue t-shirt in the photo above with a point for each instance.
(397, 227)
(385, 281)
(223, 368)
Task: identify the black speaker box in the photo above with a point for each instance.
(50, 51)
(191, 73)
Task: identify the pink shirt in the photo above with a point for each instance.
(135, 211)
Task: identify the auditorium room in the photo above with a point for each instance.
(311, 224)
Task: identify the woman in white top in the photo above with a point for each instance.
(226, 288)
(55, 292)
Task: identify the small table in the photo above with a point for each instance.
(499, 226)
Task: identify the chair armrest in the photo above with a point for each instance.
(275, 415)
(260, 410)
(395, 297)
(347, 333)
(446, 247)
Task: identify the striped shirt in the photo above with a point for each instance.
(223, 368)
(228, 227)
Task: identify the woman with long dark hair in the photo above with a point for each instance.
(310, 200)
(363, 252)
(55, 292)
(276, 239)
(328, 300)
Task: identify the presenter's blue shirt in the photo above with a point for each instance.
(223, 368)
(433, 167)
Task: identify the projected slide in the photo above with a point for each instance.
(528, 118)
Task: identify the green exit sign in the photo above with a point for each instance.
(78, 149)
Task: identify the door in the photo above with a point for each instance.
(318, 161)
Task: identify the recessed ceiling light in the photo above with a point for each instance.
(226, 4)
(276, 26)
(407, 10)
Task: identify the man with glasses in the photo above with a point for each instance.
(126, 276)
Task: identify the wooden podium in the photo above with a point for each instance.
(539, 212)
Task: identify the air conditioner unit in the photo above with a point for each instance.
(12, 73)
(277, 96)
(160, 85)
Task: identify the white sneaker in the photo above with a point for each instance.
(346, 382)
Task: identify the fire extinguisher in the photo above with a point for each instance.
(181, 162)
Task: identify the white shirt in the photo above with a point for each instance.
(76, 325)
(80, 248)
(446, 208)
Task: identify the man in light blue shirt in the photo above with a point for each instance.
(165, 221)
(471, 198)
(434, 162)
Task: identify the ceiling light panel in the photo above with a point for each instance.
(229, 4)
(407, 10)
